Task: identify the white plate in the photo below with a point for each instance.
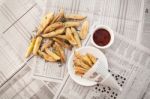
(80, 80)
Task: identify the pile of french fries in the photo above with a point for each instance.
(57, 32)
(82, 63)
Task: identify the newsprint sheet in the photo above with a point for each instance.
(22, 86)
(18, 18)
(124, 17)
(32, 78)
(128, 63)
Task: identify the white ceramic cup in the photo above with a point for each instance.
(110, 32)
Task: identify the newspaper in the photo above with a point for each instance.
(22, 86)
(145, 34)
(15, 33)
(18, 20)
(121, 16)
(145, 40)
(127, 59)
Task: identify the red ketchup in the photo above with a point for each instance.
(101, 37)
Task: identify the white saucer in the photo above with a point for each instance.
(88, 49)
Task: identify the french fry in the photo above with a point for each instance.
(60, 30)
(53, 27)
(92, 58)
(62, 43)
(77, 54)
(46, 57)
(30, 48)
(45, 21)
(46, 45)
(81, 63)
(40, 53)
(59, 16)
(83, 58)
(54, 33)
(61, 52)
(75, 17)
(62, 55)
(87, 60)
(79, 70)
(62, 37)
(84, 30)
(76, 36)
(55, 49)
(53, 55)
(70, 37)
(71, 24)
(37, 45)
(79, 73)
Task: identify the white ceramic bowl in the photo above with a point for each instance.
(94, 51)
(111, 35)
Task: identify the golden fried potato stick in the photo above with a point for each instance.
(62, 37)
(45, 21)
(84, 58)
(37, 45)
(30, 48)
(81, 63)
(70, 37)
(87, 60)
(53, 55)
(84, 30)
(71, 24)
(91, 57)
(46, 45)
(61, 52)
(54, 33)
(79, 70)
(59, 16)
(55, 49)
(53, 27)
(75, 17)
(62, 43)
(79, 73)
(45, 56)
(77, 55)
(76, 36)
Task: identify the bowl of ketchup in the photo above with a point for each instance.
(102, 36)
